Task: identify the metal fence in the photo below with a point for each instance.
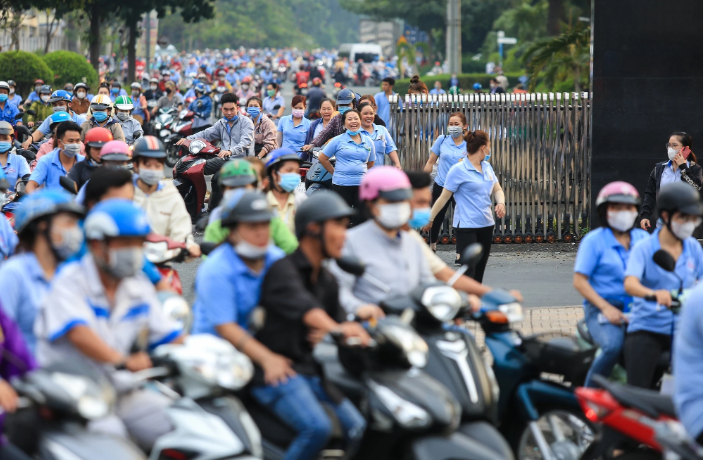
(541, 150)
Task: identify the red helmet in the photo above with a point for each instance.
(97, 137)
(38, 82)
(247, 79)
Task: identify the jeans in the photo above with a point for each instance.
(298, 403)
(609, 338)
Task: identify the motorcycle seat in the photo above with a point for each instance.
(650, 402)
(584, 333)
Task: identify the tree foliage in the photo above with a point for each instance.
(24, 68)
(69, 67)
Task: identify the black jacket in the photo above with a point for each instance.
(691, 175)
(82, 172)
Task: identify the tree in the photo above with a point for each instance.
(24, 68)
(69, 67)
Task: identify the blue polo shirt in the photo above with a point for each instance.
(44, 127)
(8, 240)
(688, 364)
(472, 191)
(22, 288)
(49, 169)
(268, 104)
(448, 154)
(350, 158)
(227, 290)
(15, 99)
(383, 109)
(15, 168)
(33, 97)
(9, 112)
(293, 136)
(603, 260)
(384, 144)
(648, 315)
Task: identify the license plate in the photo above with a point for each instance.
(301, 188)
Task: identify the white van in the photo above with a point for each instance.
(368, 52)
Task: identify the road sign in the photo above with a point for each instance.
(507, 41)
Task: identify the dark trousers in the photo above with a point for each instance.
(10, 452)
(642, 352)
(466, 237)
(351, 195)
(213, 167)
(438, 221)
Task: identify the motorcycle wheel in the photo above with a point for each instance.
(566, 430)
(172, 155)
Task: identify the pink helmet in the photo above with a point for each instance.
(115, 151)
(618, 192)
(385, 182)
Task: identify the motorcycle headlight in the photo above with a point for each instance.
(183, 113)
(177, 309)
(158, 126)
(513, 312)
(196, 146)
(91, 403)
(412, 345)
(406, 413)
(443, 302)
(164, 133)
(156, 252)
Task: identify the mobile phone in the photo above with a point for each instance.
(685, 151)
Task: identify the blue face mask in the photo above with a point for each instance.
(354, 133)
(5, 146)
(100, 117)
(114, 90)
(289, 181)
(420, 218)
(3, 97)
(342, 110)
(487, 158)
(253, 112)
(230, 120)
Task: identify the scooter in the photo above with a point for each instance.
(302, 89)
(188, 174)
(11, 197)
(317, 177)
(163, 122)
(55, 405)
(217, 106)
(162, 251)
(181, 128)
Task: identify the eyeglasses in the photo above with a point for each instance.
(673, 146)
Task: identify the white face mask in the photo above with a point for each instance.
(683, 231)
(151, 176)
(394, 215)
(153, 87)
(124, 262)
(250, 251)
(672, 153)
(81, 94)
(621, 221)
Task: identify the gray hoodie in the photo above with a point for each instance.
(240, 141)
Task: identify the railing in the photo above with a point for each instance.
(541, 150)
(33, 43)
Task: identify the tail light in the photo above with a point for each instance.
(303, 172)
(596, 404)
(497, 239)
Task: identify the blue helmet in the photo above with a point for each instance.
(345, 96)
(58, 117)
(477, 86)
(116, 218)
(281, 155)
(200, 88)
(60, 95)
(44, 203)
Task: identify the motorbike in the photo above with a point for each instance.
(337, 87)
(55, 405)
(317, 177)
(10, 198)
(217, 106)
(282, 70)
(188, 174)
(181, 128)
(163, 122)
(162, 251)
(302, 89)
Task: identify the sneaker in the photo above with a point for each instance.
(457, 263)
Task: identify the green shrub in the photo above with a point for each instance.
(70, 67)
(24, 68)
(466, 81)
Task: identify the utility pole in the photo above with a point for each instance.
(453, 49)
(147, 37)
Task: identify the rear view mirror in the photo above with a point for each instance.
(471, 255)
(68, 184)
(207, 248)
(664, 260)
(351, 265)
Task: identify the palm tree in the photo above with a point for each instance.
(408, 51)
(566, 56)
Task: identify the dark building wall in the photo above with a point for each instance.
(647, 83)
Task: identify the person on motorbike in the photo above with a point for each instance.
(140, 102)
(236, 136)
(240, 174)
(95, 139)
(301, 304)
(171, 98)
(202, 108)
(46, 147)
(14, 166)
(599, 273)
(345, 101)
(130, 127)
(116, 90)
(265, 130)
(59, 161)
(81, 101)
(652, 323)
(101, 108)
(245, 91)
(14, 97)
(8, 238)
(34, 95)
(284, 176)
(61, 101)
(42, 108)
(273, 104)
(159, 198)
(99, 307)
(47, 226)
(315, 96)
(153, 94)
(222, 81)
(385, 193)
(8, 110)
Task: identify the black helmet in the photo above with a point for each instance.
(148, 146)
(679, 197)
(245, 206)
(321, 206)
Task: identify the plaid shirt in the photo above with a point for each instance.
(334, 128)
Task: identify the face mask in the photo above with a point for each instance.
(354, 133)
(245, 87)
(114, 90)
(621, 221)
(489, 153)
(168, 90)
(230, 120)
(59, 108)
(343, 109)
(455, 131)
(3, 97)
(153, 87)
(71, 150)
(45, 98)
(37, 88)
(135, 94)
(124, 262)
(71, 241)
(682, 231)
(394, 215)
(228, 194)
(672, 153)
(297, 113)
(81, 95)
(122, 116)
(12, 90)
(5, 146)
(100, 117)
(420, 218)
(151, 176)
(271, 92)
(289, 181)
(253, 112)
(250, 251)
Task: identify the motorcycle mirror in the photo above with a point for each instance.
(68, 184)
(207, 248)
(136, 135)
(19, 115)
(30, 112)
(351, 265)
(471, 255)
(277, 107)
(664, 260)
(28, 155)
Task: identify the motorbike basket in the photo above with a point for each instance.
(559, 355)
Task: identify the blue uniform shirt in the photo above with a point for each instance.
(269, 103)
(44, 127)
(9, 112)
(227, 290)
(351, 158)
(437, 91)
(648, 315)
(205, 110)
(603, 260)
(8, 240)
(448, 154)
(33, 96)
(15, 99)
(49, 169)
(384, 144)
(382, 107)
(15, 168)
(293, 136)
(22, 288)
(472, 191)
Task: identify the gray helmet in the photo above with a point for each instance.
(679, 197)
(6, 128)
(320, 207)
(245, 206)
(345, 96)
